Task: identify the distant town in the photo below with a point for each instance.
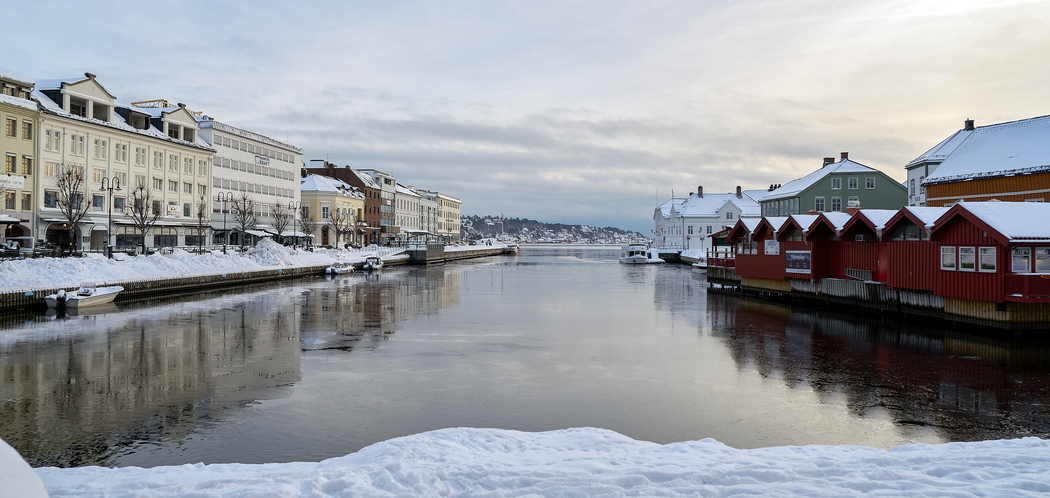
(528, 231)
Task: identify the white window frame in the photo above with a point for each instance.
(819, 204)
(949, 251)
(853, 183)
(869, 182)
(982, 254)
(836, 184)
(967, 255)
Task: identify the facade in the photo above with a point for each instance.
(387, 207)
(337, 207)
(687, 225)
(84, 127)
(920, 168)
(835, 187)
(407, 208)
(363, 182)
(448, 212)
(247, 163)
(19, 145)
(1006, 162)
(428, 211)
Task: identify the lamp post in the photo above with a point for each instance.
(224, 197)
(110, 184)
(294, 207)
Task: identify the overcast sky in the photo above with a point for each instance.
(565, 111)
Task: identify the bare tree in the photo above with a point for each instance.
(306, 221)
(282, 217)
(71, 189)
(244, 215)
(143, 213)
(203, 221)
(342, 220)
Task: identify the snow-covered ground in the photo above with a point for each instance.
(29, 274)
(590, 462)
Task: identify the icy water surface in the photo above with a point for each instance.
(559, 336)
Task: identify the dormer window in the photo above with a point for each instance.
(78, 107)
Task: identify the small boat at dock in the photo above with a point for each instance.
(373, 263)
(87, 295)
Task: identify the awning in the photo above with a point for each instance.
(289, 233)
(7, 219)
(257, 233)
(99, 228)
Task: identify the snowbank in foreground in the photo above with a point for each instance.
(592, 462)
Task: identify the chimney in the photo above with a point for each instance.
(968, 125)
(852, 211)
(770, 187)
(739, 194)
(828, 160)
(700, 191)
(813, 211)
(845, 155)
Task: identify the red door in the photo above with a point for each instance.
(884, 259)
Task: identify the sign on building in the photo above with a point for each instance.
(772, 247)
(798, 261)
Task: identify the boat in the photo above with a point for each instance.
(700, 266)
(373, 263)
(634, 254)
(339, 268)
(654, 256)
(511, 248)
(87, 295)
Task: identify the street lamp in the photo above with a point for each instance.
(224, 197)
(110, 184)
(294, 207)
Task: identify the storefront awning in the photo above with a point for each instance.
(257, 233)
(7, 219)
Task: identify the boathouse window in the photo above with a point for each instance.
(1021, 260)
(1042, 259)
(947, 257)
(987, 259)
(792, 233)
(909, 231)
(967, 258)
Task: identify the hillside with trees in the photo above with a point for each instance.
(524, 230)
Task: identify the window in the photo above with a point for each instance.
(986, 257)
(187, 166)
(947, 257)
(122, 179)
(818, 203)
(202, 168)
(1021, 260)
(12, 127)
(836, 184)
(9, 163)
(121, 152)
(1042, 259)
(324, 212)
(9, 200)
(50, 169)
(967, 258)
(202, 189)
(709, 229)
(97, 175)
(139, 180)
(27, 130)
(186, 209)
(47, 140)
(173, 186)
(158, 160)
(118, 203)
(690, 229)
(27, 201)
(911, 188)
(100, 148)
(729, 216)
(187, 188)
(49, 198)
(158, 183)
(836, 204)
(140, 156)
(922, 188)
(157, 208)
(98, 202)
(173, 163)
(869, 182)
(853, 183)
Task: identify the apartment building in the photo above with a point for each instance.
(407, 208)
(20, 118)
(336, 208)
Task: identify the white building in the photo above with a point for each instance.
(920, 168)
(267, 170)
(684, 224)
(448, 211)
(84, 127)
(407, 208)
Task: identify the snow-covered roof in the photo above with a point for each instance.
(1004, 149)
(837, 219)
(750, 223)
(928, 215)
(709, 205)
(366, 178)
(320, 183)
(792, 188)
(10, 75)
(403, 190)
(805, 220)
(49, 106)
(1014, 219)
(879, 217)
(56, 84)
(777, 222)
(20, 102)
(669, 206)
(939, 152)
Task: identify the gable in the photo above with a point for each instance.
(90, 89)
(182, 117)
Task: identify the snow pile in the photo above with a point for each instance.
(16, 476)
(588, 462)
(269, 253)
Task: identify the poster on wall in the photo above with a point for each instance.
(772, 247)
(798, 261)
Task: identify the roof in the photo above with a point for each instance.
(666, 207)
(366, 179)
(1004, 149)
(939, 152)
(1011, 219)
(403, 190)
(9, 75)
(20, 102)
(210, 122)
(794, 187)
(804, 221)
(837, 219)
(319, 183)
(710, 204)
(928, 215)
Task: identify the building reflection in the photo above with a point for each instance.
(79, 391)
(961, 386)
(361, 311)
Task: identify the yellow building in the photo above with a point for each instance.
(20, 119)
(335, 210)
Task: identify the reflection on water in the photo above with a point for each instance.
(559, 336)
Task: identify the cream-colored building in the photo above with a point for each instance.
(448, 209)
(407, 208)
(20, 118)
(83, 126)
(333, 204)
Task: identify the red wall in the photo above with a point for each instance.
(859, 255)
(913, 264)
(761, 266)
(968, 284)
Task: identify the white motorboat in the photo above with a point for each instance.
(87, 295)
(634, 254)
(700, 266)
(511, 248)
(339, 269)
(654, 256)
(373, 263)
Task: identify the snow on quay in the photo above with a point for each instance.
(581, 462)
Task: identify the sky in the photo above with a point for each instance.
(569, 111)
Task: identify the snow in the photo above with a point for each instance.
(838, 220)
(8, 74)
(1004, 149)
(1018, 221)
(710, 205)
(320, 183)
(29, 274)
(879, 217)
(589, 462)
(17, 478)
(19, 102)
(792, 188)
(928, 215)
(805, 221)
(939, 152)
